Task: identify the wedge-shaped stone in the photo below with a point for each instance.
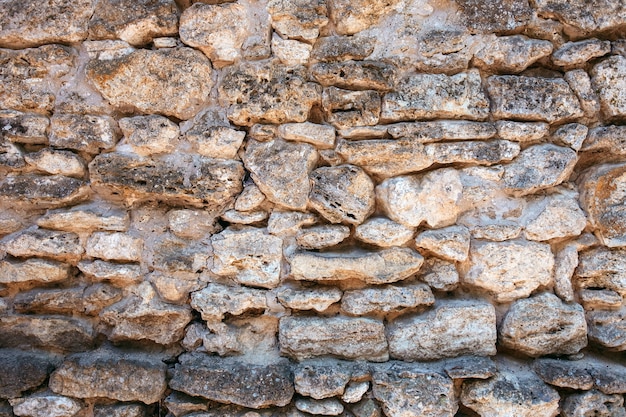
(584, 374)
(473, 152)
(608, 141)
(320, 136)
(607, 328)
(511, 53)
(170, 81)
(572, 135)
(99, 374)
(271, 93)
(573, 54)
(250, 255)
(85, 133)
(428, 96)
(24, 127)
(508, 270)
(342, 337)
(532, 98)
(217, 300)
(495, 15)
(28, 23)
(580, 82)
(362, 75)
(451, 243)
(382, 267)
(43, 191)
(544, 325)
(86, 218)
(343, 48)
(386, 299)
(327, 407)
(522, 131)
(177, 178)
(148, 135)
(413, 390)
(438, 130)
(609, 79)
(121, 275)
(33, 270)
(63, 334)
(63, 246)
(320, 237)
(383, 232)
(582, 18)
(11, 156)
(231, 381)
(23, 371)
(451, 329)
(439, 274)
(300, 19)
(555, 217)
(318, 299)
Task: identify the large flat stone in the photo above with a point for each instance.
(582, 18)
(44, 191)
(33, 270)
(62, 246)
(386, 299)
(62, 334)
(608, 79)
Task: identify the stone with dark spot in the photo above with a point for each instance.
(63, 334)
(43, 191)
(591, 372)
(500, 16)
(22, 371)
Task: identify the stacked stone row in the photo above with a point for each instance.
(291, 208)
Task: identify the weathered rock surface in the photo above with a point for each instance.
(574, 54)
(44, 191)
(22, 371)
(318, 299)
(565, 264)
(345, 108)
(580, 18)
(298, 19)
(33, 270)
(149, 135)
(24, 127)
(605, 141)
(320, 237)
(290, 51)
(85, 133)
(86, 218)
(386, 299)
(118, 274)
(572, 135)
(522, 131)
(451, 329)
(463, 367)
(451, 243)
(580, 82)
(342, 48)
(560, 217)
(511, 53)
(320, 136)
(495, 15)
(383, 232)
(608, 79)
(190, 179)
(602, 268)
(439, 130)
(368, 75)
(172, 81)
(56, 333)
(216, 300)
(249, 255)
(608, 328)
(116, 375)
(593, 402)
(119, 410)
(327, 407)
(508, 270)
(45, 404)
(381, 267)
(321, 379)
(439, 274)
(233, 382)
(585, 374)
(114, 246)
(342, 337)
(63, 246)
(57, 163)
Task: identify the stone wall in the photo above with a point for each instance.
(312, 207)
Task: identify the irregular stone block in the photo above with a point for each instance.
(602, 268)
(473, 152)
(572, 135)
(573, 54)
(580, 82)
(386, 299)
(608, 79)
(600, 299)
(511, 53)
(451, 329)
(352, 17)
(320, 136)
(63, 246)
(366, 75)
(464, 367)
(111, 374)
(180, 404)
(443, 50)
(86, 218)
(33, 270)
(608, 328)
(318, 299)
(11, 157)
(321, 379)
(559, 217)
(320, 237)
(439, 274)
(177, 178)
(438, 130)
(484, 16)
(46, 332)
(291, 52)
(114, 246)
(345, 108)
(57, 162)
(382, 267)
(522, 131)
(241, 217)
(231, 381)
(122, 275)
(564, 266)
(148, 135)
(451, 243)
(327, 407)
(342, 337)
(21, 127)
(45, 404)
(85, 133)
(43, 191)
(299, 19)
(581, 18)
(119, 410)
(593, 402)
(23, 371)
(285, 223)
(383, 232)
(171, 81)
(217, 300)
(65, 301)
(192, 224)
(342, 48)
(607, 141)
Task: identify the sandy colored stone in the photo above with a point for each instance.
(172, 81)
(111, 374)
(511, 53)
(386, 299)
(250, 255)
(439, 274)
(443, 50)
(65, 301)
(215, 141)
(368, 75)
(580, 82)
(438, 130)
(607, 328)
(323, 236)
(383, 232)
(327, 407)
(322, 378)
(346, 108)
(63, 246)
(43, 191)
(543, 325)
(318, 299)
(473, 152)
(532, 99)
(432, 198)
(33, 270)
(180, 404)
(593, 402)
(281, 170)
(136, 22)
(565, 264)
(45, 404)
(24, 127)
(170, 254)
(508, 270)
(289, 51)
(149, 135)
(121, 275)
(574, 54)
(342, 48)
(285, 223)
(581, 18)
(355, 391)
(556, 217)
(114, 246)
(320, 136)
(250, 198)
(271, 93)
(605, 141)
(352, 17)
(299, 19)
(11, 156)
(602, 267)
(57, 162)
(451, 329)
(522, 131)
(189, 179)
(216, 300)
(608, 79)
(86, 218)
(572, 135)
(451, 243)
(244, 217)
(382, 267)
(56, 333)
(427, 96)
(342, 337)
(24, 24)
(495, 15)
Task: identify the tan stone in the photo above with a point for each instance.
(320, 136)
(149, 135)
(581, 18)
(285, 223)
(352, 17)
(473, 152)
(122, 275)
(45, 405)
(215, 141)
(250, 198)
(174, 286)
(443, 51)
(318, 299)
(33, 270)
(608, 78)
(63, 246)
(56, 333)
(86, 218)
(600, 299)
(556, 217)
(323, 236)
(114, 246)
(564, 266)
(580, 83)
(439, 274)
(299, 19)
(495, 15)
(576, 54)
(572, 135)
(522, 131)
(346, 108)
(291, 52)
(438, 130)
(451, 243)
(24, 127)
(386, 299)
(602, 267)
(383, 232)
(580, 404)
(511, 53)
(216, 300)
(342, 48)
(368, 75)
(326, 407)
(244, 217)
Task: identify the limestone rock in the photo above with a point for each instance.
(444, 50)
(24, 127)
(320, 136)
(57, 162)
(27, 24)
(213, 137)
(573, 54)
(11, 157)
(285, 223)
(321, 379)
(136, 22)
(580, 82)
(178, 178)
(551, 99)
(320, 237)
(352, 17)
(386, 299)
(572, 135)
(608, 79)
(539, 167)
(600, 299)
(86, 218)
(522, 131)
(432, 198)
(355, 391)
(23, 371)
(33, 270)
(342, 48)
(438, 130)
(180, 404)
(564, 266)
(298, 19)
(450, 243)
(216, 300)
(439, 274)
(602, 268)
(45, 404)
(121, 275)
(171, 254)
(511, 53)
(244, 217)
(383, 232)
(585, 374)
(508, 270)
(281, 170)
(473, 152)
(148, 135)
(327, 407)
(580, 18)
(172, 81)
(65, 301)
(345, 108)
(318, 299)
(543, 325)
(290, 51)
(119, 410)
(272, 93)
(250, 255)
(114, 246)
(99, 374)
(451, 329)
(560, 217)
(607, 328)
(427, 96)
(464, 367)
(342, 337)
(495, 15)
(407, 389)
(382, 267)
(63, 334)
(367, 75)
(231, 381)
(63, 246)
(250, 198)
(342, 194)
(44, 191)
(511, 392)
(606, 141)
(593, 402)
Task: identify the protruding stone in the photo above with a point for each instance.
(44, 191)
(345, 108)
(432, 198)
(495, 15)
(57, 162)
(580, 82)
(522, 131)
(290, 51)
(121, 275)
(244, 217)
(386, 299)
(439, 274)
(180, 404)
(211, 136)
(450, 329)
(149, 135)
(509, 270)
(281, 170)
(342, 48)
(318, 299)
(581, 18)
(464, 367)
(608, 79)
(343, 337)
(45, 404)
(352, 17)
(45, 243)
(383, 232)
(100, 374)
(216, 300)
(54, 301)
(606, 141)
(564, 266)
(607, 328)
(87, 218)
(450, 243)
(443, 50)
(602, 268)
(320, 136)
(355, 391)
(600, 299)
(63, 334)
(321, 379)
(511, 53)
(532, 98)
(172, 81)
(119, 410)
(572, 135)
(320, 237)
(438, 130)
(33, 270)
(327, 407)
(473, 152)
(249, 255)
(30, 128)
(367, 75)
(574, 54)
(585, 374)
(298, 19)
(593, 402)
(114, 246)
(382, 267)
(556, 217)
(285, 223)
(427, 96)
(23, 371)
(231, 381)
(250, 198)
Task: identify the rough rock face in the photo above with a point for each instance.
(581, 19)
(23, 371)
(386, 299)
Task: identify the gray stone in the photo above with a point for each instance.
(231, 381)
(320, 237)
(607, 328)
(580, 82)
(572, 135)
(342, 48)
(119, 410)
(495, 15)
(386, 299)
(180, 404)
(445, 50)
(438, 130)
(45, 404)
(149, 135)
(345, 108)
(593, 402)
(451, 329)
(574, 54)
(606, 141)
(250, 198)
(451, 243)
(367, 75)
(600, 299)
(511, 53)
(321, 379)
(473, 152)
(320, 136)
(581, 18)
(192, 224)
(591, 372)
(298, 19)
(318, 299)
(327, 407)
(30, 128)
(366, 408)
(65, 301)
(63, 246)
(62, 334)
(439, 274)
(43, 191)
(465, 367)
(23, 371)
(565, 264)
(560, 217)
(121, 275)
(383, 232)
(33, 270)
(217, 300)
(85, 133)
(522, 131)
(11, 156)
(608, 79)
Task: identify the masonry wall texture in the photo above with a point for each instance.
(358, 208)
